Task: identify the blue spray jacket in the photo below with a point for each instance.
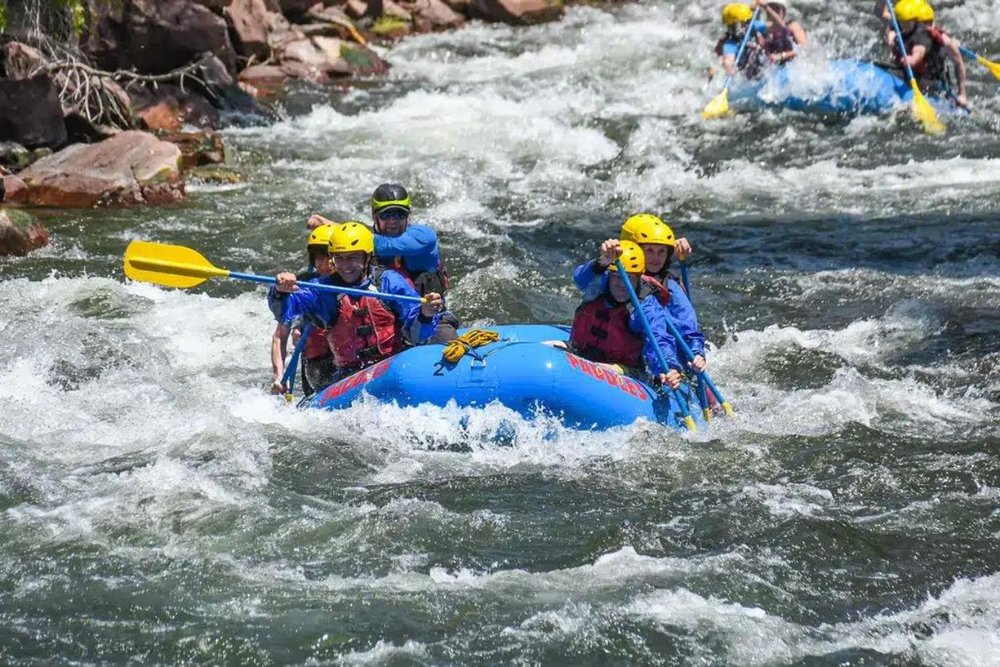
(592, 279)
(321, 308)
(417, 245)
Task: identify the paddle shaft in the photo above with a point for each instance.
(337, 289)
(648, 330)
(288, 379)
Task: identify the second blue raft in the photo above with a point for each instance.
(522, 372)
(847, 87)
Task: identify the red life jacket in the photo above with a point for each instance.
(422, 282)
(316, 344)
(600, 329)
(366, 331)
(937, 34)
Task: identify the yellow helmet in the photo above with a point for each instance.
(647, 228)
(736, 12)
(320, 236)
(633, 258)
(352, 237)
(926, 13)
(907, 10)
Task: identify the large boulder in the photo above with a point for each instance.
(20, 233)
(12, 190)
(156, 36)
(516, 12)
(128, 169)
(253, 22)
(30, 112)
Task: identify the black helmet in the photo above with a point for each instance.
(390, 195)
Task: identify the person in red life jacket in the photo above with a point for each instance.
(361, 330)
(317, 359)
(607, 330)
(658, 244)
(410, 248)
(782, 36)
(736, 19)
(932, 54)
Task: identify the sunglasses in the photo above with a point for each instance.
(393, 214)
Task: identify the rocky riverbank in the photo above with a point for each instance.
(115, 109)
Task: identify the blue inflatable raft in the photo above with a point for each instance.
(848, 87)
(518, 371)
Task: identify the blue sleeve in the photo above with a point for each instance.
(415, 331)
(656, 315)
(591, 279)
(760, 26)
(416, 240)
(311, 306)
(682, 314)
(730, 49)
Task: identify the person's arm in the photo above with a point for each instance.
(916, 56)
(775, 16)
(415, 240)
(661, 339)
(591, 277)
(682, 314)
(728, 58)
(799, 33)
(279, 348)
(418, 321)
(955, 53)
(315, 220)
(288, 305)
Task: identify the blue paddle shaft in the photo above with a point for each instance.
(288, 379)
(253, 277)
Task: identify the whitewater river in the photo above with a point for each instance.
(157, 506)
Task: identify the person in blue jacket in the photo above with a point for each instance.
(360, 330)
(607, 330)
(657, 241)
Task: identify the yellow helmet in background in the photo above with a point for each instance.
(647, 228)
(736, 12)
(320, 238)
(633, 258)
(926, 13)
(907, 10)
(352, 237)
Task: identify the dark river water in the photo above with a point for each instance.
(157, 506)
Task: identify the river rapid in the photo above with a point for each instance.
(157, 506)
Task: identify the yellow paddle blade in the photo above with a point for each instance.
(168, 265)
(924, 112)
(689, 422)
(707, 412)
(728, 408)
(718, 107)
(990, 65)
